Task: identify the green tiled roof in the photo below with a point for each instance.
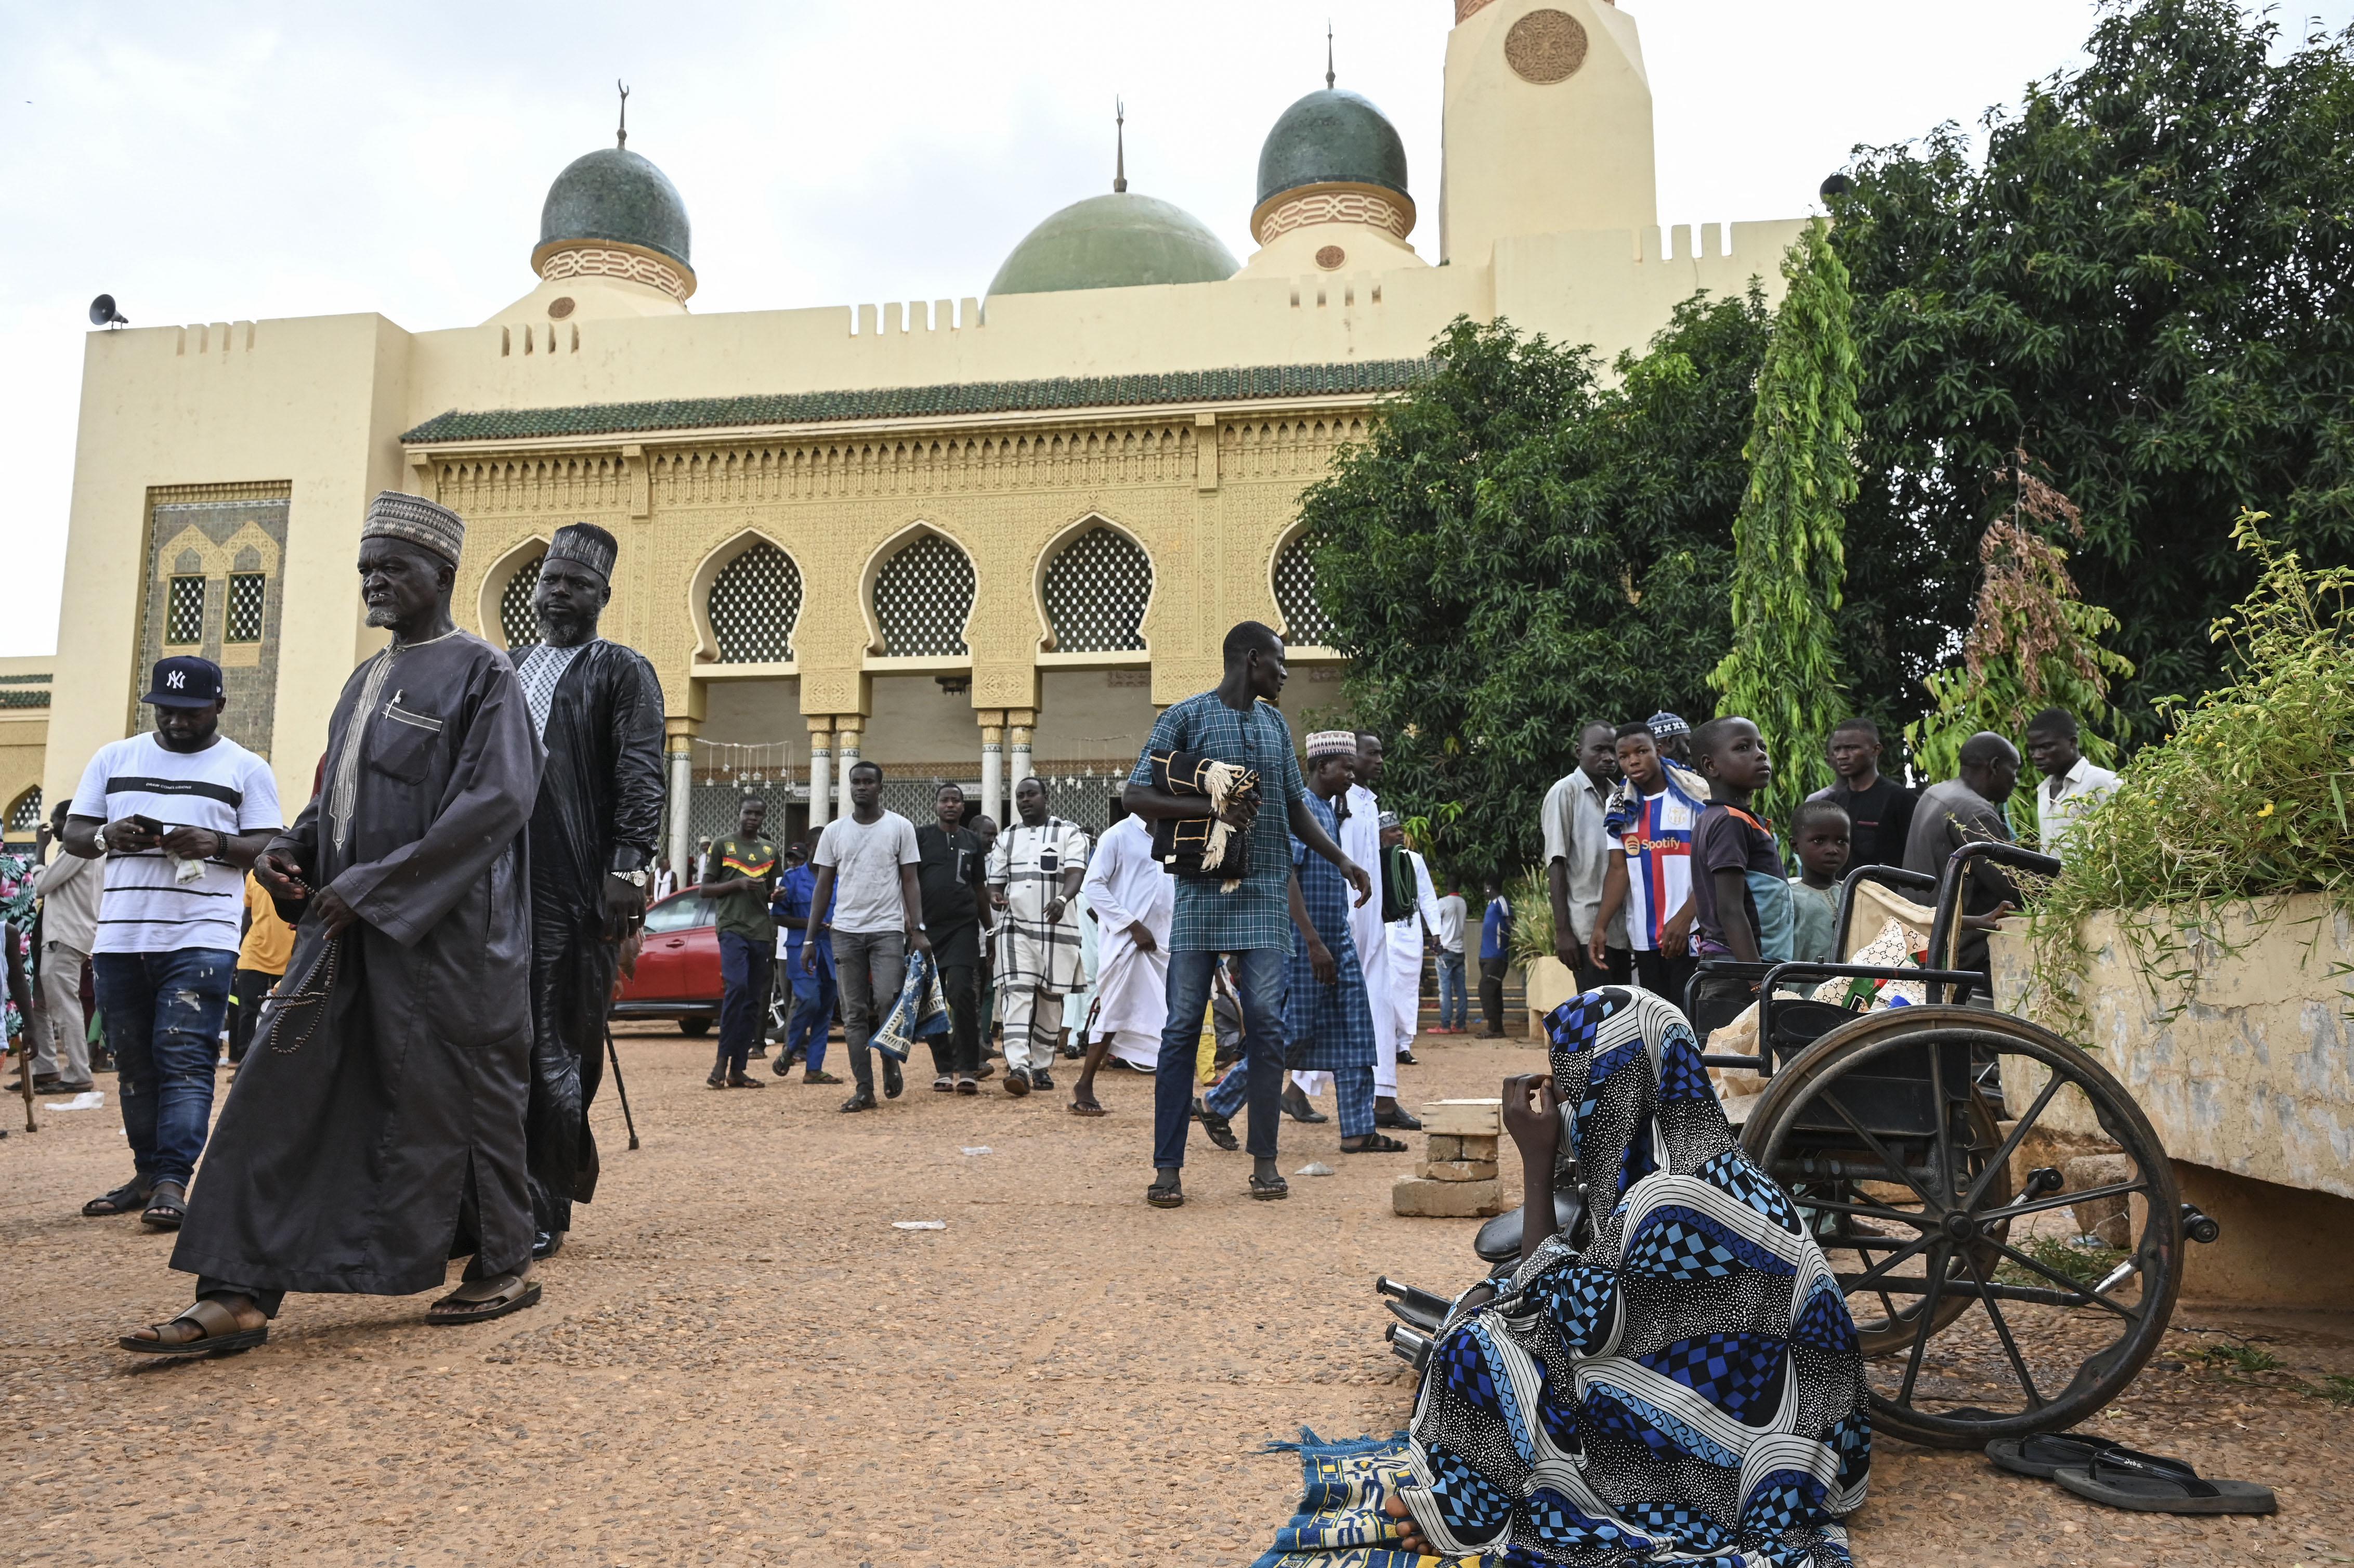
(25, 699)
(1238, 384)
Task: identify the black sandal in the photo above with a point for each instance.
(2142, 1488)
(457, 1307)
(1169, 1194)
(1375, 1143)
(2040, 1455)
(166, 1207)
(220, 1334)
(1220, 1130)
(129, 1198)
(1268, 1188)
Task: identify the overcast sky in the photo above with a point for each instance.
(217, 163)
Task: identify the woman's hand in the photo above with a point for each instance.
(1532, 1115)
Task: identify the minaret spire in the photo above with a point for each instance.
(621, 136)
(1119, 138)
(1327, 54)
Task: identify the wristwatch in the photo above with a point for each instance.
(634, 878)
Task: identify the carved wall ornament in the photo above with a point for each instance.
(1331, 258)
(1545, 46)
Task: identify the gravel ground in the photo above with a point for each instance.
(740, 1360)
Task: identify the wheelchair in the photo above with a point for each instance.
(1898, 1134)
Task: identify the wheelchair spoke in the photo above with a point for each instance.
(1946, 1176)
(1880, 1270)
(1861, 1212)
(2065, 1200)
(1887, 1159)
(2001, 1159)
(2002, 1331)
(1938, 1260)
(2081, 1293)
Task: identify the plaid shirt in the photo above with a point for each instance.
(1258, 913)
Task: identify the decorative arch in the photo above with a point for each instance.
(503, 608)
(25, 814)
(1291, 579)
(919, 589)
(745, 602)
(1094, 587)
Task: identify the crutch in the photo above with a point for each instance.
(614, 1054)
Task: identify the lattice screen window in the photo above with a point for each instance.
(518, 622)
(183, 611)
(25, 816)
(755, 601)
(922, 597)
(1096, 593)
(243, 622)
(1304, 621)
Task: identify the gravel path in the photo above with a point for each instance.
(740, 1360)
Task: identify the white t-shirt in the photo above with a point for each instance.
(1450, 922)
(866, 858)
(224, 787)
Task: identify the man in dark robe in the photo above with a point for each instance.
(598, 710)
(376, 1127)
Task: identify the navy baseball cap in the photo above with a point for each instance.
(184, 682)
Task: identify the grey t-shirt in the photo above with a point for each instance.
(866, 858)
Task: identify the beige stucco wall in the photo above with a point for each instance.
(2250, 1070)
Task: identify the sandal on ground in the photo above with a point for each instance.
(1375, 1143)
(1017, 1082)
(1087, 1107)
(217, 1334)
(2043, 1452)
(967, 1085)
(2143, 1487)
(508, 1293)
(782, 1065)
(818, 1076)
(1399, 1117)
(1221, 1131)
(1166, 1194)
(944, 1084)
(716, 1081)
(861, 1101)
(739, 1081)
(166, 1207)
(1268, 1188)
(129, 1198)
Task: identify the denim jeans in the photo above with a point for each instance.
(870, 967)
(744, 963)
(810, 1022)
(1454, 1000)
(1261, 971)
(163, 1013)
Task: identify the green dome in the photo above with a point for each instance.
(1114, 241)
(1332, 138)
(615, 196)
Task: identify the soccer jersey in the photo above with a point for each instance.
(1655, 835)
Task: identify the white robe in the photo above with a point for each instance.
(1361, 841)
(1127, 886)
(1406, 939)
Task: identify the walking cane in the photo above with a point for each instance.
(614, 1053)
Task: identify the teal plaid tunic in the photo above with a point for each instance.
(1258, 913)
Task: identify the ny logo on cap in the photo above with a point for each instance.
(177, 680)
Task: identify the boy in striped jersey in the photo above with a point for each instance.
(1650, 877)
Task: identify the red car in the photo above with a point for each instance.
(678, 966)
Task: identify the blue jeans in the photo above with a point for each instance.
(163, 1013)
(744, 963)
(811, 1026)
(1260, 971)
(1454, 998)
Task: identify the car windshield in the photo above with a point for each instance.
(678, 913)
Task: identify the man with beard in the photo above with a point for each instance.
(599, 712)
(377, 1128)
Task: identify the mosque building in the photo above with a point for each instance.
(971, 539)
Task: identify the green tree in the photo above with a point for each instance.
(2033, 643)
(2149, 283)
(1789, 554)
(1518, 548)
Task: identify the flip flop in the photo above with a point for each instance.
(456, 1308)
(1087, 1109)
(2129, 1483)
(1375, 1143)
(220, 1337)
(2044, 1452)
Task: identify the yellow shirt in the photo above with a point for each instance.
(268, 941)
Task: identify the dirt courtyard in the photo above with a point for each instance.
(739, 1360)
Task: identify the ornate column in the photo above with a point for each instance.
(1022, 720)
(846, 753)
(820, 789)
(992, 760)
(679, 742)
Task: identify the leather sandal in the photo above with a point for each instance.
(1220, 1131)
(1268, 1188)
(1375, 1143)
(217, 1334)
(508, 1293)
(129, 1198)
(167, 1205)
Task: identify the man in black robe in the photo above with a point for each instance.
(598, 710)
(376, 1127)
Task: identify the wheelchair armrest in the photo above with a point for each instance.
(1499, 1238)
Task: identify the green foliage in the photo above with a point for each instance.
(2149, 282)
(1517, 549)
(2032, 645)
(1789, 559)
(2241, 1358)
(1530, 896)
(2085, 1265)
(2246, 799)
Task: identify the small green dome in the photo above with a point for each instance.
(614, 195)
(1332, 138)
(1114, 241)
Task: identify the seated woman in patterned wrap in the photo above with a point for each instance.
(1205, 848)
(1688, 1385)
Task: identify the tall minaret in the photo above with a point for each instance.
(1547, 125)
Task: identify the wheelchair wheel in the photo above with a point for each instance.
(1979, 1312)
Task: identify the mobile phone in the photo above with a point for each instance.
(146, 824)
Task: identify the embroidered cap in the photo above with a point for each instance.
(1391, 819)
(1666, 725)
(1331, 743)
(587, 544)
(184, 681)
(416, 521)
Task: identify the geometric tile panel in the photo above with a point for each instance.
(243, 621)
(1305, 623)
(922, 597)
(25, 814)
(755, 601)
(518, 622)
(183, 612)
(1096, 588)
